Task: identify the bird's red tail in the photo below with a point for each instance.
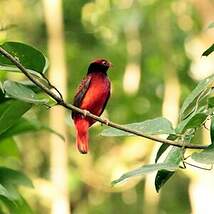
(82, 126)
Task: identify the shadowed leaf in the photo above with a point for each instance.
(164, 147)
(23, 125)
(174, 157)
(10, 112)
(208, 51)
(10, 176)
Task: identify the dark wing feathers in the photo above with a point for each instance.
(104, 105)
(81, 91)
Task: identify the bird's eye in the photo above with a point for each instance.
(104, 62)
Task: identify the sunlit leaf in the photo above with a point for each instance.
(145, 170)
(8, 148)
(152, 127)
(28, 56)
(164, 147)
(191, 100)
(10, 112)
(207, 155)
(21, 92)
(174, 156)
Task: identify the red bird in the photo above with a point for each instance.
(92, 95)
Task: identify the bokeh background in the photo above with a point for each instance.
(155, 47)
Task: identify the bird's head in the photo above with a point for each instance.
(99, 65)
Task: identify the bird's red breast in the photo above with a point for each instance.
(92, 95)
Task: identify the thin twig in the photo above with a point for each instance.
(199, 167)
(61, 102)
(52, 86)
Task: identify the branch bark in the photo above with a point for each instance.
(60, 101)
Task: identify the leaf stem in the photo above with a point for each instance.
(60, 101)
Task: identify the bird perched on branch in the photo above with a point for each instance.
(92, 95)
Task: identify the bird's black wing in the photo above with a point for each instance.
(104, 105)
(81, 91)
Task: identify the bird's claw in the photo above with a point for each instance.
(85, 112)
(106, 121)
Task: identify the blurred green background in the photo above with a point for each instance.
(155, 47)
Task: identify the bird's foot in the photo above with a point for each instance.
(106, 121)
(85, 112)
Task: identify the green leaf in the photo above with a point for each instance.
(193, 121)
(4, 192)
(190, 101)
(23, 125)
(207, 155)
(208, 51)
(164, 147)
(13, 177)
(10, 112)
(174, 156)
(155, 126)
(8, 148)
(21, 92)
(211, 102)
(212, 130)
(211, 25)
(161, 178)
(2, 95)
(145, 170)
(21, 207)
(28, 56)
(161, 150)
(17, 206)
(196, 121)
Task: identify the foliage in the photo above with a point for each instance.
(208, 51)
(17, 99)
(196, 109)
(99, 28)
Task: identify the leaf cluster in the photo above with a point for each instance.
(196, 109)
(16, 98)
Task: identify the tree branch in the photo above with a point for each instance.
(61, 102)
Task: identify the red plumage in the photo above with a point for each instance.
(92, 95)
